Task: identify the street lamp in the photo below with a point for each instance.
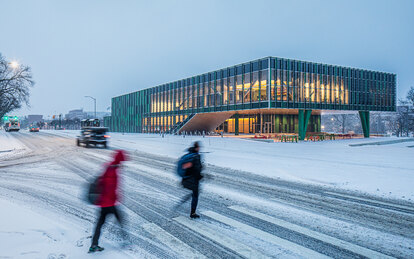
(94, 102)
(14, 64)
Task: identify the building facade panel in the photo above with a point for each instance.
(268, 83)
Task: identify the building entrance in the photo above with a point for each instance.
(267, 127)
(267, 123)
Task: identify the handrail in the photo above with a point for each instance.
(180, 124)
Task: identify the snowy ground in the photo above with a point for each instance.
(261, 200)
(26, 234)
(385, 170)
(10, 146)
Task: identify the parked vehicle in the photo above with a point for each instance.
(92, 134)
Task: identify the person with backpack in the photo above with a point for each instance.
(107, 186)
(189, 168)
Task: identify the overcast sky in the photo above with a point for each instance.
(108, 48)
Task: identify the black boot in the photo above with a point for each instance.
(96, 248)
(194, 215)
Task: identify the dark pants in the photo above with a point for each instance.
(192, 185)
(104, 212)
(194, 200)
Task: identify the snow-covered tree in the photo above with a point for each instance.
(15, 82)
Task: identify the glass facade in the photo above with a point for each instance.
(268, 123)
(268, 83)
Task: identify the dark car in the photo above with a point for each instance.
(34, 129)
(92, 134)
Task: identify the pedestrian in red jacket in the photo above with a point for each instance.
(108, 185)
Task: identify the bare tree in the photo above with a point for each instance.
(15, 82)
(378, 123)
(392, 125)
(341, 123)
(410, 100)
(410, 96)
(403, 119)
(342, 119)
(346, 122)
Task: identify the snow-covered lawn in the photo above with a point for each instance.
(383, 170)
(26, 234)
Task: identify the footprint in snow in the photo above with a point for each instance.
(54, 256)
(79, 243)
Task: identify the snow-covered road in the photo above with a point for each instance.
(243, 215)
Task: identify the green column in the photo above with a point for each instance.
(301, 121)
(307, 117)
(364, 115)
(304, 116)
(236, 124)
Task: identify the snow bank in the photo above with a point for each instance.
(9, 145)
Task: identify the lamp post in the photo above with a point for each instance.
(94, 102)
(14, 64)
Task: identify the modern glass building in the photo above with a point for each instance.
(269, 95)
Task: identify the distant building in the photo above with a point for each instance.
(34, 118)
(80, 114)
(99, 115)
(76, 114)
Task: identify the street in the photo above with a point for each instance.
(242, 215)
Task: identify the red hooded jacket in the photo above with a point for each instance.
(109, 181)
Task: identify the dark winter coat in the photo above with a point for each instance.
(109, 182)
(193, 174)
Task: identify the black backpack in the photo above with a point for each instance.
(94, 191)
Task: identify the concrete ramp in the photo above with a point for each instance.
(206, 121)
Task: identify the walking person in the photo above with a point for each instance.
(192, 175)
(108, 185)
